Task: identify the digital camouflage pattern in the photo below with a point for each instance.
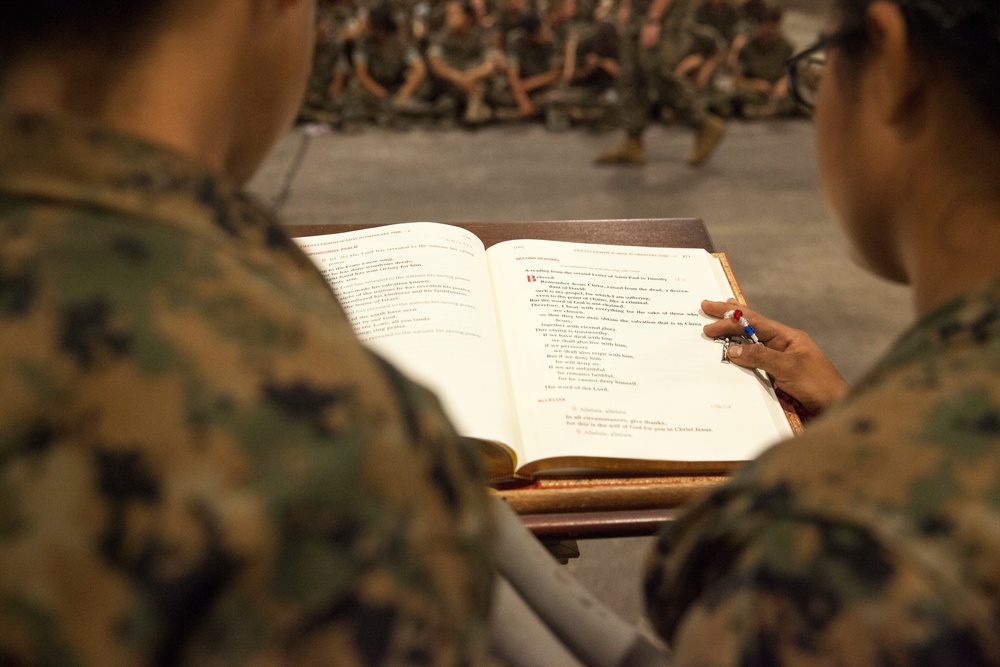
(199, 463)
(649, 71)
(763, 59)
(873, 538)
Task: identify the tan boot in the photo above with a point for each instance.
(709, 135)
(630, 152)
(476, 112)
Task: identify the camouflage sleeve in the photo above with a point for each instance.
(199, 463)
(359, 56)
(434, 49)
(754, 575)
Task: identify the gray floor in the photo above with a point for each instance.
(759, 197)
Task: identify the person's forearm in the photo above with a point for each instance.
(656, 10)
(569, 57)
(689, 64)
(414, 77)
(444, 71)
(480, 71)
(610, 65)
(541, 80)
(517, 87)
(706, 71)
(369, 84)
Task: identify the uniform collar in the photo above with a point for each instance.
(57, 160)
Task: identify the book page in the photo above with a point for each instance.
(419, 295)
(607, 357)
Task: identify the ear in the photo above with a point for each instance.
(895, 76)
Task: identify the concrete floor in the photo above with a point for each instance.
(759, 197)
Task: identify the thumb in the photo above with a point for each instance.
(755, 356)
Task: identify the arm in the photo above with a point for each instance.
(569, 57)
(732, 60)
(650, 34)
(541, 80)
(443, 70)
(779, 89)
(590, 63)
(482, 70)
(524, 104)
(705, 72)
(797, 365)
(609, 65)
(370, 84)
(414, 77)
(689, 64)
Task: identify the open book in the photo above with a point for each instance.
(567, 358)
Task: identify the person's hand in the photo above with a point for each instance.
(649, 35)
(798, 366)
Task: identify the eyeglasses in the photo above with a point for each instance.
(805, 70)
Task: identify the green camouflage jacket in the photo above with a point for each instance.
(199, 463)
(873, 538)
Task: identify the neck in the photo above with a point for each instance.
(956, 248)
(172, 93)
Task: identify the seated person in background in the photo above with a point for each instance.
(705, 50)
(874, 537)
(323, 100)
(390, 74)
(507, 21)
(462, 61)
(200, 462)
(722, 16)
(591, 93)
(533, 67)
(752, 11)
(561, 18)
(761, 82)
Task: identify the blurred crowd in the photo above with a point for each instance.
(471, 62)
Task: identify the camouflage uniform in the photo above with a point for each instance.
(648, 72)
(462, 51)
(874, 538)
(724, 18)
(763, 59)
(199, 463)
(595, 97)
(388, 62)
(329, 61)
(531, 58)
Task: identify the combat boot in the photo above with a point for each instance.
(630, 152)
(709, 135)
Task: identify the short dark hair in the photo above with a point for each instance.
(771, 14)
(111, 23)
(468, 9)
(530, 23)
(960, 37)
(381, 18)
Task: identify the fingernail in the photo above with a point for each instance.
(735, 351)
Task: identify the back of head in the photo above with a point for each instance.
(35, 24)
(605, 40)
(771, 14)
(530, 23)
(381, 18)
(960, 38)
